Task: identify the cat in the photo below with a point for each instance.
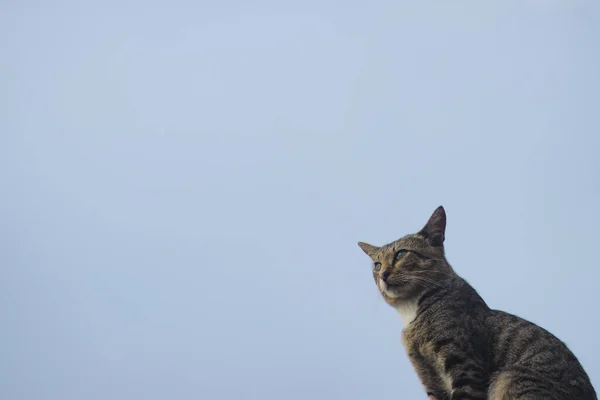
(458, 346)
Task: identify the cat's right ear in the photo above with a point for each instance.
(367, 248)
(435, 229)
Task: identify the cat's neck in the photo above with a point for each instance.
(407, 310)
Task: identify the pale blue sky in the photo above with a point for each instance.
(184, 184)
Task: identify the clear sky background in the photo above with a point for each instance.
(184, 184)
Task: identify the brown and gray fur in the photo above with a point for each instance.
(459, 347)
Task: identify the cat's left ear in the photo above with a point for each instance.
(435, 229)
(367, 248)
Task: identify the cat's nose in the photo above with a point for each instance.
(384, 275)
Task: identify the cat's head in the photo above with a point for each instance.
(408, 266)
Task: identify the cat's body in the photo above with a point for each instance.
(459, 347)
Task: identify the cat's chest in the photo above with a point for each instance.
(422, 355)
(408, 312)
(416, 334)
(418, 340)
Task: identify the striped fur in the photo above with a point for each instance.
(459, 347)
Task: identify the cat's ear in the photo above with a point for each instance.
(367, 248)
(435, 229)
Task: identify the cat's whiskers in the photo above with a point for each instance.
(406, 278)
(433, 271)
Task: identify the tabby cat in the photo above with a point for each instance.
(459, 347)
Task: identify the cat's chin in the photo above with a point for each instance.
(393, 292)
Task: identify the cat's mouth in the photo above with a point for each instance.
(391, 290)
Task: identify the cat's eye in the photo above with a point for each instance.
(400, 254)
(377, 266)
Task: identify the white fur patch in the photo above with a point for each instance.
(407, 311)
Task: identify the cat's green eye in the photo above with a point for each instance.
(377, 266)
(400, 254)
